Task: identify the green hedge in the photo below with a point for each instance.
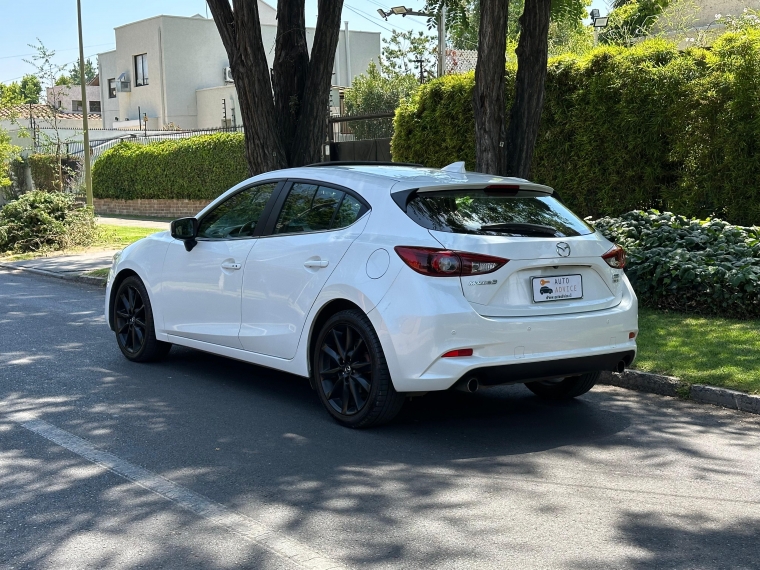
(708, 267)
(196, 168)
(623, 128)
(48, 169)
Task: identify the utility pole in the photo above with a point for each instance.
(420, 62)
(442, 42)
(85, 109)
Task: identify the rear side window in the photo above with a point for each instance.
(488, 213)
(314, 208)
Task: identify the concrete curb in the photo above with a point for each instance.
(670, 386)
(89, 279)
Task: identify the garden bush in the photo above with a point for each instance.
(195, 168)
(49, 169)
(623, 128)
(699, 266)
(42, 221)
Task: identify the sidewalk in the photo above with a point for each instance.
(71, 267)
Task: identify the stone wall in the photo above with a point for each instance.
(149, 208)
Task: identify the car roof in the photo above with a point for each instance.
(400, 177)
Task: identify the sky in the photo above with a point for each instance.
(54, 22)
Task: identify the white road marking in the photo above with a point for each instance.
(295, 552)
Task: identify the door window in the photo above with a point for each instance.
(313, 208)
(237, 216)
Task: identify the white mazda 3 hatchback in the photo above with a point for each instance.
(382, 281)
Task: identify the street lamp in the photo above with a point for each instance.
(403, 11)
(599, 22)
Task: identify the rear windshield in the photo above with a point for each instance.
(487, 213)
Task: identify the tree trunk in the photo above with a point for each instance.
(312, 122)
(488, 101)
(290, 69)
(285, 117)
(241, 35)
(532, 58)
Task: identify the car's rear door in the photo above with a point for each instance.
(310, 229)
(201, 289)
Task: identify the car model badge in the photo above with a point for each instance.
(491, 282)
(563, 249)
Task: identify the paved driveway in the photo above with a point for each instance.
(202, 462)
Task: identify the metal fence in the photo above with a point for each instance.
(346, 128)
(99, 146)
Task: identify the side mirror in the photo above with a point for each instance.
(185, 229)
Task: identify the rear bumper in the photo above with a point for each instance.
(422, 318)
(544, 370)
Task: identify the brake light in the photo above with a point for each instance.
(615, 257)
(446, 263)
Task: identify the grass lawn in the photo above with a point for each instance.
(700, 350)
(121, 236)
(102, 272)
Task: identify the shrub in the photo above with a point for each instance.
(373, 92)
(700, 266)
(40, 221)
(196, 168)
(48, 169)
(623, 128)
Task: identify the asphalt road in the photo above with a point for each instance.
(202, 462)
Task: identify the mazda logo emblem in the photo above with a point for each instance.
(563, 249)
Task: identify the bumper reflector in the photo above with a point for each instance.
(458, 352)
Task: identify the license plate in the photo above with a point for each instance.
(557, 288)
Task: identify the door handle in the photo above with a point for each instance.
(316, 263)
(231, 265)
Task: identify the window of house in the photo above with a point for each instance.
(112, 88)
(141, 70)
(94, 106)
(76, 105)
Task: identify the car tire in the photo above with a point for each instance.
(565, 388)
(133, 323)
(351, 374)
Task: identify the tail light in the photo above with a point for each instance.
(615, 257)
(446, 263)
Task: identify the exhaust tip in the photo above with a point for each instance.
(621, 367)
(469, 385)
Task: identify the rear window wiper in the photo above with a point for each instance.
(525, 229)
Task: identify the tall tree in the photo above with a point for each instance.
(498, 149)
(284, 114)
(532, 58)
(31, 88)
(488, 100)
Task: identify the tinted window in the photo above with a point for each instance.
(237, 217)
(313, 208)
(350, 210)
(481, 212)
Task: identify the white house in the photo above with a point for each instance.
(68, 98)
(173, 70)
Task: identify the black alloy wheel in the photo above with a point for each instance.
(130, 319)
(345, 370)
(133, 323)
(350, 373)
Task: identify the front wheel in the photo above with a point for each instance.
(564, 388)
(133, 323)
(351, 374)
